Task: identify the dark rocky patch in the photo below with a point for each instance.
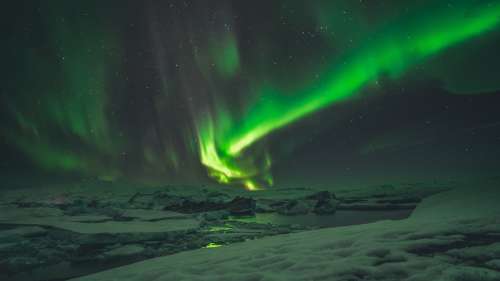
(295, 207)
(241, 206)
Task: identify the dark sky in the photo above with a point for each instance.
(251, 92)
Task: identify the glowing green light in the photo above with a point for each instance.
(391, 51)
(212, 245)
(67, 99)
(391, 54)
(226, 55)
(226, 169)
(251, 186)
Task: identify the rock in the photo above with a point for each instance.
(325, 207)
(326, 202)
(241, 206)
(192, 205)
(218, 197)
(322, 196)
(263, 207)
(215, 215)
(295, 207)
(171, 201)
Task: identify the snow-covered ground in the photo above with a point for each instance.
(454, 235)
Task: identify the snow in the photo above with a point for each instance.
(467, 201)
(451, 236)
(147, 221)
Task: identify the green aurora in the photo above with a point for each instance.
(85, 102)
(66, 98)
(402, 43)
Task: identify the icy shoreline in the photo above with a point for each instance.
(64, 233)
(454, 235)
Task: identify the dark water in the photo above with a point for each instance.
(340, 218)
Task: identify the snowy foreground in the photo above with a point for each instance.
(454, 235)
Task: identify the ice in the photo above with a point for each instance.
(445, 239)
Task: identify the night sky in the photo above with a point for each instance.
(251, 93)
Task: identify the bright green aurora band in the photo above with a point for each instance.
(226, 143)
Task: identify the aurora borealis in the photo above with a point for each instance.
(405, 42)
(180, 90)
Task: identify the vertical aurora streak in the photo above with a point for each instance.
(65, 97)
(392, 51)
